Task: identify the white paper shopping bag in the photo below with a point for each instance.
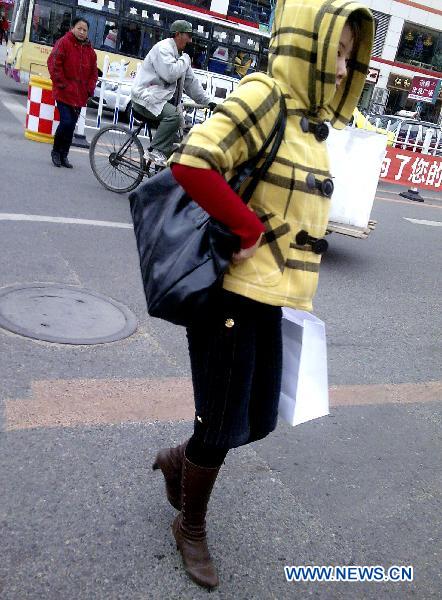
(304, 386)
(356, 159)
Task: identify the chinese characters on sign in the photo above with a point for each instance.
(372, 75)
(411, 168)
(424, 89)
(399, 82)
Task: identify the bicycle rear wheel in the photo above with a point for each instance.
(117, 159)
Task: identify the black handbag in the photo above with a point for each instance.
(183, 251)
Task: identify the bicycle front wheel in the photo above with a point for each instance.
(117, 159)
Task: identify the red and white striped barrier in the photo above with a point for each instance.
(42, 116)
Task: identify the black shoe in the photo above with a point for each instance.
(56, 158)
(65, 162)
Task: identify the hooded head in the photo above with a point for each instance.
(303, 55)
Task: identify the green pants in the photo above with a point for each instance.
(168, 125)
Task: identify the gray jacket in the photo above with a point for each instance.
(156, 80)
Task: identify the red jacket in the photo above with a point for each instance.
(73, 69)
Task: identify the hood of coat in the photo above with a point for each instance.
(302, 56)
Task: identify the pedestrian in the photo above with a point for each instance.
(4, 29)
(235, 346)
(73, 68)
(158, 87)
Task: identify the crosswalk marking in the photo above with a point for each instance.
(424, 222)
(46, 219)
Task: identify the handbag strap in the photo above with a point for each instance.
(249, 168)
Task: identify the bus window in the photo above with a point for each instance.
(198, 53)
(198, 50)
(221, 59)
(243, 64)
(137, 40)
(149, 38)
(109, 37)
(18, 20)
(263, 60)
(49, 22)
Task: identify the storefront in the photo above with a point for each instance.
(421, 47)
(399, 87)
(367, 93)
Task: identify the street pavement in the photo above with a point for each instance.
(83, 516)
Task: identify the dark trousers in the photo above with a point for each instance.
(168, 126)
(65, 130)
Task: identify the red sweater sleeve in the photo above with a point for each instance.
(212, 192)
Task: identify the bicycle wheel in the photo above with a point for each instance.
(117, 159)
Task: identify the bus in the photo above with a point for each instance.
(125, 30)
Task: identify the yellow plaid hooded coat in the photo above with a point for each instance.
(302, 66)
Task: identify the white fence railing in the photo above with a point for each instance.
(115, 97)
(415, 137)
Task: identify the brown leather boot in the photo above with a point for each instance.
(170, 461)
(189, 527)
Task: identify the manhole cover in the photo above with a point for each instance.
(64, 314)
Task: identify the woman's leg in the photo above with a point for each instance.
(227, 346)
(170, 461)
(200, 469)
(64, 134)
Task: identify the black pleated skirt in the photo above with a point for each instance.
(235, 352)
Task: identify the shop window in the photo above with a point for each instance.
(421, 47)
(50, 22)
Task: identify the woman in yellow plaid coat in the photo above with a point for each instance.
(318, 60)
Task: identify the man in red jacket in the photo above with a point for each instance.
(73, 68)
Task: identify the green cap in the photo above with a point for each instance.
(181, 26)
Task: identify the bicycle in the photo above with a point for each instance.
(116, 154)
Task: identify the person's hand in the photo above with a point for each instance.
(245, 253)
(212, 105)
(186, 58)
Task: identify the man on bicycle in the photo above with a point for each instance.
(158, 87)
